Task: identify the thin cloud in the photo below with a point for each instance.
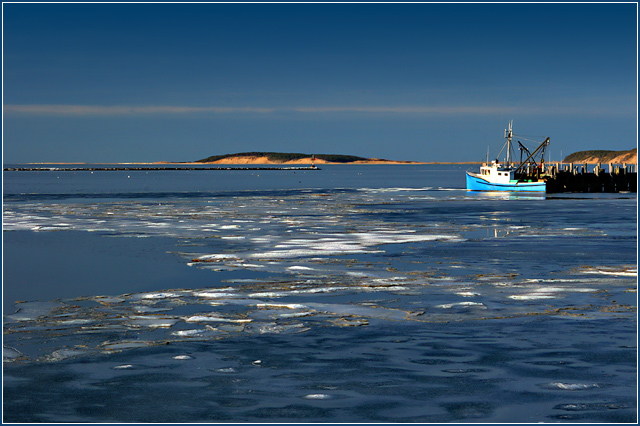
(84, 110)
(406, 110)
(124, 110)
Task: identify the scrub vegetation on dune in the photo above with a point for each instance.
(603, 156)
(290, 158)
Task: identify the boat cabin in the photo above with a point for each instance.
(496, 173)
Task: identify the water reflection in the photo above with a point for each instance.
(502, 195)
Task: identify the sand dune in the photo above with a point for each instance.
(307, 160)
(628, 158)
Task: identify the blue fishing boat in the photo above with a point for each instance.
(509, 176)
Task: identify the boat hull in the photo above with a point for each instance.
(475, 183)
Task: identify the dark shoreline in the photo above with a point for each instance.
(145, 169)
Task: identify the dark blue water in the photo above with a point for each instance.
(347, 294)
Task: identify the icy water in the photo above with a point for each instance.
(349, 294)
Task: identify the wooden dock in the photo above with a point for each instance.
(570, 177)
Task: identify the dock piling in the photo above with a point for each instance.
(578, 178)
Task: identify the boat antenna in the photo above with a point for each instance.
(508, 134)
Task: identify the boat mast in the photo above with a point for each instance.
(508, 134)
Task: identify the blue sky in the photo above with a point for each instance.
(424, 82)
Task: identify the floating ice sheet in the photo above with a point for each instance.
(624, 271)
(10, 354)
(29, 311)
(288, 304)
(351, 258)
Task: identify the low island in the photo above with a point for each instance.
(293, 158)
(288, 158)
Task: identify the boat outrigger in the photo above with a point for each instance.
(512, 177)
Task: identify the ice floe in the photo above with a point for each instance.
(29, 311)
(151, 321)
(462, 305)
(160, 295)
(121, 345)
(275, 328)
(317, 396)
(123, 367)
(62, 354)
(214, 318)
(10, 354)
(467, 294)
(546, 292)
(182, 357)
(572, 386)
(628, 271)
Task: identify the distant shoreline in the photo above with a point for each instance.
(191, 163)
(289, 163)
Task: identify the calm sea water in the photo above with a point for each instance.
(348, 294)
